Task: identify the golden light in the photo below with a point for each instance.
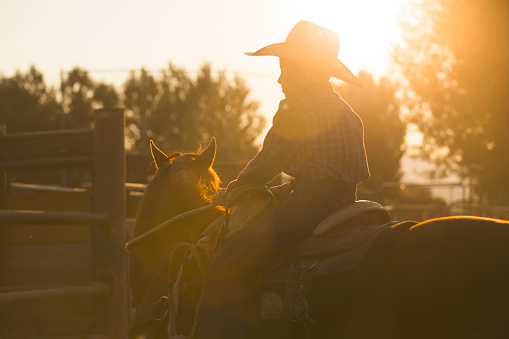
(366, 29)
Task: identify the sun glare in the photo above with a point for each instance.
(366, 28)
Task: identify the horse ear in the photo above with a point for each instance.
(159, 157)
(208, 155)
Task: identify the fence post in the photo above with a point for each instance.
(109, 197)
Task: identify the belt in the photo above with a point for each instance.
(329, 189)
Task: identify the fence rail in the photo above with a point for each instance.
(46, 143)
(88, 289)
(49, 217)
(31, 164)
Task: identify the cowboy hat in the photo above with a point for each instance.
(312, 45)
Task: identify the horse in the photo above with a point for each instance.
(442, 278)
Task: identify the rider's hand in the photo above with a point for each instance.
(218, 198)
(231, 186)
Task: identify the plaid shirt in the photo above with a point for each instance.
(314, 135)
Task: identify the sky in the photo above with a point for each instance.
(110, 37)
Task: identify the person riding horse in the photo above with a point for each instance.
(317, 139)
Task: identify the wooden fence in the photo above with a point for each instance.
(62, 257)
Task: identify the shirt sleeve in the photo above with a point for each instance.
(280, 144)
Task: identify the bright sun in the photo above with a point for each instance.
(366, 28)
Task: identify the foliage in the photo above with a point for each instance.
(27, 104)
(82, 95)
(384, 131)
(139, 97)
(180, 112)
(454, 60)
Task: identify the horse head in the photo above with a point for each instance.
(183, 181)
(191, 171)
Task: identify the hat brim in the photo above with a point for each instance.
(310, 56)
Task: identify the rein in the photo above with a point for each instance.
(165, 224)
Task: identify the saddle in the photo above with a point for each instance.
(338, 244)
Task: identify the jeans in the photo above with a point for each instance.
(231, 293)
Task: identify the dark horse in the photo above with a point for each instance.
(442, 278)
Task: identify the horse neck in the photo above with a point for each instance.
(161, 203)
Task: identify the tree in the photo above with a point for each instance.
(454, 60)
(140, 95)
(27, 104)
(384, 130)
(182, 112)
(82, 95)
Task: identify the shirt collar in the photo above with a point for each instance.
(315, 87)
